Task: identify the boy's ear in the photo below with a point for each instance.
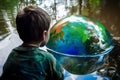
(44, 38)
(45, 35)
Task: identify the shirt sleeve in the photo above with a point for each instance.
(55, 69)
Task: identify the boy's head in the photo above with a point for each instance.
(33, 24)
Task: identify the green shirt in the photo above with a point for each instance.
(31, 63)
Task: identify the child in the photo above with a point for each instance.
(28, 62)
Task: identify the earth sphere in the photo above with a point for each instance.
(79, 42)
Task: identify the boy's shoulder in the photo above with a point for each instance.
(33, 50)
(48, 55)
(44, 50)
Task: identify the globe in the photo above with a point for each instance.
(79, 43)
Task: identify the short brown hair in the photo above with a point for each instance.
(31, 22)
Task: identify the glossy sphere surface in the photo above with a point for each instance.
(79, 43)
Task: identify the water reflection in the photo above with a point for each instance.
(3, 27)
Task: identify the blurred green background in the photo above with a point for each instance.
(106, 11)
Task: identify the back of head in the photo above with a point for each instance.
(31, 22)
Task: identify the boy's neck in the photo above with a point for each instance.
(31, 44)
